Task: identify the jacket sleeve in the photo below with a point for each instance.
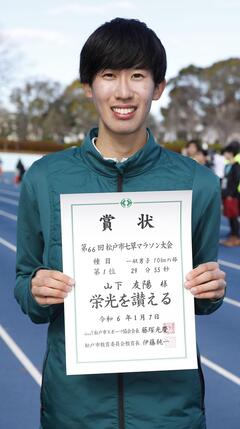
(30, 248)
(207, 200)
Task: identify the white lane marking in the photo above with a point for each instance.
(12, 193)
(8, 244)
(8, 215)
(35, 374)
(20, 355)
(220, 370)
(232, 301)
(9, 201)
(229, 264)
(11, 343)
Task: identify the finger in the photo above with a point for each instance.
(50, 283)
(58, 275)
(202, 268)
(216, 286)
(209, 295)
(205, 277)
(56, 284)
(48, 292)
(48, 301)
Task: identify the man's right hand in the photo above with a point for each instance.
(51, 287)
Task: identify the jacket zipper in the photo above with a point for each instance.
(120, 376)
(120, 402)
(119, 183)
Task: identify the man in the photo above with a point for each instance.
(122, 67)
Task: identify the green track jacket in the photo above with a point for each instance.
(151, 400)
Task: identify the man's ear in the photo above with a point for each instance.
(87, 90)
(158, 90)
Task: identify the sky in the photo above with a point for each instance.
(49, 34)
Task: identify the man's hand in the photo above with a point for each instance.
(206, 281)
(50, 287)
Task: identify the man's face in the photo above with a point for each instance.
(123, 99)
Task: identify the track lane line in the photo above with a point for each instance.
(36, 375)
(229, 264)
(8, 244)
(220, 370)
(20, 355)
(232, 301)
(8, 215)
(9, 201)
(12, 193)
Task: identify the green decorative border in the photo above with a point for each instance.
(77, 360)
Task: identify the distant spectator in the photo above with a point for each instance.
(236, 146)
(218, 165)
(20, 171)
(231, 194)
(201, 156)
(192, 148)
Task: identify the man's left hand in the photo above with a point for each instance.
(206, 281)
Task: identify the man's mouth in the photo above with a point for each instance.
(123, 110)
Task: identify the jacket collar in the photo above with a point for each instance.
(139, 162)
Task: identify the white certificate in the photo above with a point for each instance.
(129, 253)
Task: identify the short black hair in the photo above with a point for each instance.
(232, 147)
(122, 44)
(196, 143)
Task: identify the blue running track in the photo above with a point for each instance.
(22, 344)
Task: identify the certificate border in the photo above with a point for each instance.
(77, 361)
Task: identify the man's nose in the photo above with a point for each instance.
(123, 88)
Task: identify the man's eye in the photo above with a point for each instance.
(108, 75)
(138, 76)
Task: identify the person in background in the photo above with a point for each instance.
(218, 165)
(202, 157)
(192, 148)
(236, 145)
(20, 170)
(231, 195)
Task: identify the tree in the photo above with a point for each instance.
(32, 103)
(204, 101)
(45, 111)
(71, 115)
(10, 61)
(6, 123)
